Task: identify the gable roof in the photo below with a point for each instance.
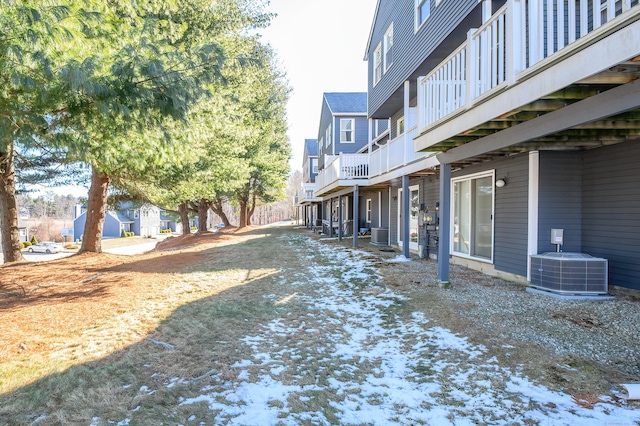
(311, 146)
(346, 102)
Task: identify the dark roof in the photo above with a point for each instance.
(312, 147)
(347, 102)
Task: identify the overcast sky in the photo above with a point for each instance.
(321, 46)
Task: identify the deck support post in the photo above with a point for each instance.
(356, 214)
(406, 215)
(340, 232)
(444, 239)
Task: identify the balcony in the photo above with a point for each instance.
(395, 154)
(532, 57)
(342, 171)
(308, 194)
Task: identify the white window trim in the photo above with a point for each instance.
(377, 53)
(314, 165)
(353, 130)
(386, 47)
(368, 211)
(400, 120)
(412, 246)
(478, 175)
(416, 14)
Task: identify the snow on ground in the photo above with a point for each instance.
(371, 363)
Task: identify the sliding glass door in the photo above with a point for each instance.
(473, 199)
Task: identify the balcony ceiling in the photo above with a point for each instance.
(610, 130)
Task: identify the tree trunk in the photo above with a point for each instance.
(96, 212)
(203, 209)
(243, 213)
(217, 208)
(183, 210)
(8, 208)
(252, 209)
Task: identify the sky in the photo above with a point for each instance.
(321, 47)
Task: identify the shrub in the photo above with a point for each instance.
(123, 234)
(129, 234)
(34, 240)
(25, 244)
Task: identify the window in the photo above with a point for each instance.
(423, 9)
(377, 64)
(368, 210)
(314, 165)
(328, 136)
(321, 144)
(136, 214)
(473, 216)
(388, 44)
(347, 130)
(400, 126)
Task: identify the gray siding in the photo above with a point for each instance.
(411, 49)
(560, 200)
(511, 216)
(361, 135)
(611, 210)
(325, 119)
(510, 212)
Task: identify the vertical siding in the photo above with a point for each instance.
(560, 200)
(611, 210)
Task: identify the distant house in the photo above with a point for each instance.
(307, 198)
(23, 235)
(144, 220)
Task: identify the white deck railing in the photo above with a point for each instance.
(516, 37)
(341, 167)
(396, 153)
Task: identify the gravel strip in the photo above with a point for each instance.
(579, 346)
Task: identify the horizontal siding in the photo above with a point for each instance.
(560, 200)
(410, 49)
(511, 212)
(361, 135)
(325, 119)
(611, 206)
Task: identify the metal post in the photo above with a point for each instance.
(340, 218)
(406, 215)
(330, 217)
(356, 214)
(444, 238)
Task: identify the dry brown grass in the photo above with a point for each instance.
(107, 335)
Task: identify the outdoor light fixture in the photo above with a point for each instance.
(501, 182)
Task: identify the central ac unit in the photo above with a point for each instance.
(569, 273)
(380, 236)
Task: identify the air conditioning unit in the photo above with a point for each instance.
(569, 273)
(380, 236)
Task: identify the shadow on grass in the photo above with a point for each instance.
(140, 380)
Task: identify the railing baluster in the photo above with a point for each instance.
(560, 21)
(584, 17)
(597, 14)
(571, 12)
(550, 28)
(611, 10)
